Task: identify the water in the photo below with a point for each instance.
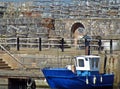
(6, 87)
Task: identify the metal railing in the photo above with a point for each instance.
(40, 44)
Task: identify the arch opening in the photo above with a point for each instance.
(77, 32)
(76, 26)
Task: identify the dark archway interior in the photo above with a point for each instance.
(15, 83)
(74, 27)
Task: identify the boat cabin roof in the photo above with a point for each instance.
(89, 56)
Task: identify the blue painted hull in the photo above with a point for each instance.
(66, 79)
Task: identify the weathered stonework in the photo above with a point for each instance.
(95, 27)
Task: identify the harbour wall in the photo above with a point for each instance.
(110, 64)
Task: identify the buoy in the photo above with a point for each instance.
(87, 82)
(94, 80)
(101, 79)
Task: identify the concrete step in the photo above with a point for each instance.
(1, 61)
(3, 65)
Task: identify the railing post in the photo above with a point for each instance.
(18, 44)
(87, 47)
(111, 51)
(99, 45)
(40, 44)
(105, 61)
(62, 44)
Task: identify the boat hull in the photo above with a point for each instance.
(66, 79)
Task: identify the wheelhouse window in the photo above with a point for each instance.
(81, 62)
(94, 63)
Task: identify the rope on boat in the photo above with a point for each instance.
(31, 84)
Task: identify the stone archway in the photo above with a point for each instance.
(77, 31)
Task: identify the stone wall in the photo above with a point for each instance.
(98, 26)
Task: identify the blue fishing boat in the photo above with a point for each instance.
(84, 74)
